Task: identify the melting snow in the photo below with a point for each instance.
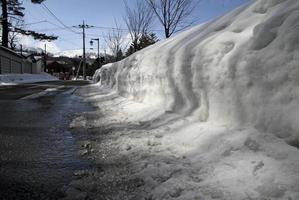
(211, 113)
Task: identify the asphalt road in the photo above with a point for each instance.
(15, 92)
(37, 150)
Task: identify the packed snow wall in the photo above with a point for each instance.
(240, 69)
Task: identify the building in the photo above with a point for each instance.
(57, 66)
(61, 67)
(12, 62)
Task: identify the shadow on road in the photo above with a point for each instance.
(38, 154)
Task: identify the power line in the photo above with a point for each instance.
(53, 29)
(121, 29)
(36, 14)
(69, 50)
(68, 34)
(70, 42)
(33, 23)
(49, 11)
(94, 27)
(89, 35)
(41, 16)
(71, 39)
(54, 24)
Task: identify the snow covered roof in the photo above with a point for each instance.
(10, 51)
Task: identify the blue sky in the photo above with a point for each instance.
(101, 13)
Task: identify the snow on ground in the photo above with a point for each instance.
(143, 153)
(211, 113)
(12, 79)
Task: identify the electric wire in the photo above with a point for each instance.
(51, 13)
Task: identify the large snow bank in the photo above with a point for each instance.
(240, 69)
(144, 152)
(11, 79)
(211, 113)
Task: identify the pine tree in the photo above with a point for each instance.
(12, 10)
(119, 55)
(144, 41)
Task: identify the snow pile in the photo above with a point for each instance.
(11, 79)
(239, 69)
(146, 153)
(211, 113)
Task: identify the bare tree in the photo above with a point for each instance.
(114, 41)
(138, 20)
(13, 36)
(173, 14)
(13, 40)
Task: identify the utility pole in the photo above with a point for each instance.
(84, 53)
(45, 58)
(98, 41)
(84, 26)
(21, 46)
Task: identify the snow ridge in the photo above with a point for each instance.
(211, 113)
(240, 69)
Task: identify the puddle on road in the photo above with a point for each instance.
(38, 154)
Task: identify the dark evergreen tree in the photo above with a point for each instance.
(119, 55)
(91, 68)
(13, 10)
(144, 41)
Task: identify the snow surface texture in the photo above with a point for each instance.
(143, 152)
(12, 79)
(239, 69)
(222, 98)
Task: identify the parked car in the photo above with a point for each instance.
(67, 76)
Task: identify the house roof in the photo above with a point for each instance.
(59, 64)
(10, 51)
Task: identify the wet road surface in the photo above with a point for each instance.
(37, 150)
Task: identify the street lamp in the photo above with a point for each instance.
(98, 41)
